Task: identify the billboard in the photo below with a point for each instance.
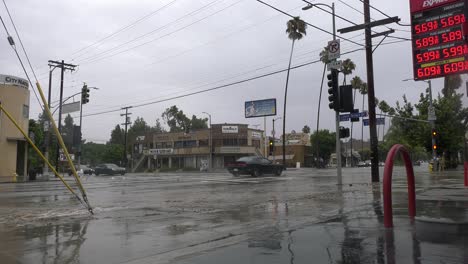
(71, 107)
(259, 108)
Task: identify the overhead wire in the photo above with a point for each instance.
(383, 13)
(217, 87)
(13, 46)
(311, 25)
(122, 29)
(97, 57)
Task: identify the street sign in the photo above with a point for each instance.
(363, 114)
(71, 107)
(438, 30)
(344, 117)
(431, 116)
(333, 49)
(334, 65)
(379, 121)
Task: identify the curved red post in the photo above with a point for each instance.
(387, 184)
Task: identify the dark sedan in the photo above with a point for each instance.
(109, 169)
(86, 170)
(255, 166)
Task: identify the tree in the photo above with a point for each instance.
(384, 108)
(179, 122)
(67, 132)
(363, 91)
(117, 135)
(347, 68)
(324, 57)
(158, 128)
(451, 84)
(36, 133)
(306, 129)
(327, 143)
(296, 29)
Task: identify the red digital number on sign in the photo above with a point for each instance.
(455, 51)
(446, 53)
(440, 70)
(427, 42)
(439, 24)
(452, 36)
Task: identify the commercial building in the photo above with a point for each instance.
(14, 97)
(298, 150)
(192, 150)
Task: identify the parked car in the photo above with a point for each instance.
(255, 166)
(109, 169)
(86, 170)
(361, 164)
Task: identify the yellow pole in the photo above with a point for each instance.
(62, 144)
(38, 151)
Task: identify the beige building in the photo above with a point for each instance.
(192, 150)
(14, 97)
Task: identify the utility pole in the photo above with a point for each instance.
(273, 132)
(63, 67)
(47, 137)
(127, 122)
(371, 95)
(210, 165)
(367, 26)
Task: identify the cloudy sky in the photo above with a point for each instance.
(139, 52)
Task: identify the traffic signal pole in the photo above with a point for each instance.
(337, 114)
(434, 151)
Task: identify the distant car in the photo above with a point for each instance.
(86, 170)
(109, 169)
(361, 164)
(255, 166)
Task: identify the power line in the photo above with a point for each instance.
(96, 56)
(13, 46)
(316, 27)
(383, 13)
(124, 28)
(217, 87)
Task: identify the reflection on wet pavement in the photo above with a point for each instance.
(196, 218)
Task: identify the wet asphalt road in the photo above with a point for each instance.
(300, 217)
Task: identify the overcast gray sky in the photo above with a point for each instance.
(192, 45)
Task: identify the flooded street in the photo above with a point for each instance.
(300, 217)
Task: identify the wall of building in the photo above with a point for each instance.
(14, 97)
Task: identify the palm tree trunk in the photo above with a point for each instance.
(383, 130)
(318, 117)
(362, 125)
(378, 127)
(284, 109)
(351, 134)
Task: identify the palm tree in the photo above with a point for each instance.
(324, 58)
(363, 91)
(356, 83)
(347, 68)
(384, 108)
(296, 29)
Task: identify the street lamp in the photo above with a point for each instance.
(273, 134)
(431, 117)
(210, 144)
(337, 114)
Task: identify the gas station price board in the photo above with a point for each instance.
(439, 38)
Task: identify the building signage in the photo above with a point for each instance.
(140, 138)
(15, 81)
(230, 129)
(260, 108)
(229, 150)
(256, 134)
(71, 107)
(167, 151)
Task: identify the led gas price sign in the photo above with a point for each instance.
(439, 38)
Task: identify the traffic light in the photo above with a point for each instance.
(435, 136)
(344, 132)
(434, 133)
(333, 90)
(346, 99)
(271, 145)
(434, 147)
(85, 94)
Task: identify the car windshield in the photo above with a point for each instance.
(233, 131)
(247, 159)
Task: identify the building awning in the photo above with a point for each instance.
(15, 139)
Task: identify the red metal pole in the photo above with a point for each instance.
(387, 184)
